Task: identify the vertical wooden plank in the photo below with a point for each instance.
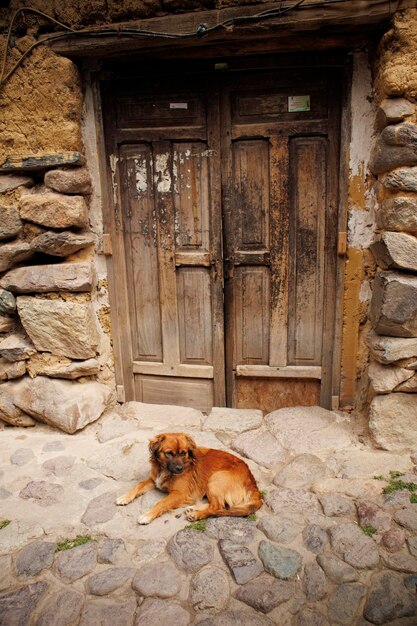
(251, 194)
(251, 294)
(279, 217)
(191, 196)
(216, 239)
(194, 315)
(330, 387)
(307, 239)
(163, 189)
(116, 264)
(139, 225)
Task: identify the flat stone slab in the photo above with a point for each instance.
(350, 543)
(260, 446)
(156, 580)
(42, 492)
(281, 528)
(359, 463)
(265, 593)
(63, 608)
(344, 603)
(100, 510)
(209, 590)
(407, 517)
(124, 459)
(58, 403)
(162, 417)
(190, 550)
(34, 558)
(281, 562)
(336, 569)
(240, 560)
(76, 562)
(103, 583)
(292, 500)
(236, 529)
(302, 471)
(108, 613)
(309, 429)
(388, 599)
(232, 421)
(154, 612)
(18, 606)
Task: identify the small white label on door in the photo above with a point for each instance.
(298, 103)
(178, 105)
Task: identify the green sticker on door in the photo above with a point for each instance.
(298, 103)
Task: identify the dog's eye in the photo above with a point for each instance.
(169, 454)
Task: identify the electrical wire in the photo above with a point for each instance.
(201, 31)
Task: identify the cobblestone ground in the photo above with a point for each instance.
(327, 547)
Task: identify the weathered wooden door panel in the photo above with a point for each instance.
(226, 215)
(167, 165)
(141, 243)
(278, 206)
(307, 244)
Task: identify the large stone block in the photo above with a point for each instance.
(60, 367)
(399, 214)
(61, 244)
(67, 405)
(391, 349)
(9, 182)
(402, 179)
(393, 110)
(16, 347)
(396, 146)
(10, 413)
(10, 222)
(393, 310)
(54, 210)
(384, 378)
(393, 421)
(62, 328)
(69, 180)
(45, 278)
(13, 253)
(396, 250)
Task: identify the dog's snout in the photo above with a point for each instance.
(175, 468)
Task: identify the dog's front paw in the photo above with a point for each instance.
(144, 519)
(191, 514)
(123, 500)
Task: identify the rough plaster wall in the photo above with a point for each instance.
(101, 295)
(361, 231)
(40, 107)
(397, 67)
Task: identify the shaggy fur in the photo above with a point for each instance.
(189, 473)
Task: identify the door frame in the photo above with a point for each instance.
(112, 246)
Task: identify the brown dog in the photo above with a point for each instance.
(188, 473)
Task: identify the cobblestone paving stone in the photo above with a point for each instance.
(305, 560)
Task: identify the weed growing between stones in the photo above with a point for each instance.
(67, 544)
(4, 523)
(251, 516)
(369, 530)
(395, 484)
(200, 526)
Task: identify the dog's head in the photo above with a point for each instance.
(174, 452)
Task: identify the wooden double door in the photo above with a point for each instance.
(223, 219)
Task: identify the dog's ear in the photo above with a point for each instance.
(155, 445)
(192, 446)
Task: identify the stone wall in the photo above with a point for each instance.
(393, 311)
(54, 322)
